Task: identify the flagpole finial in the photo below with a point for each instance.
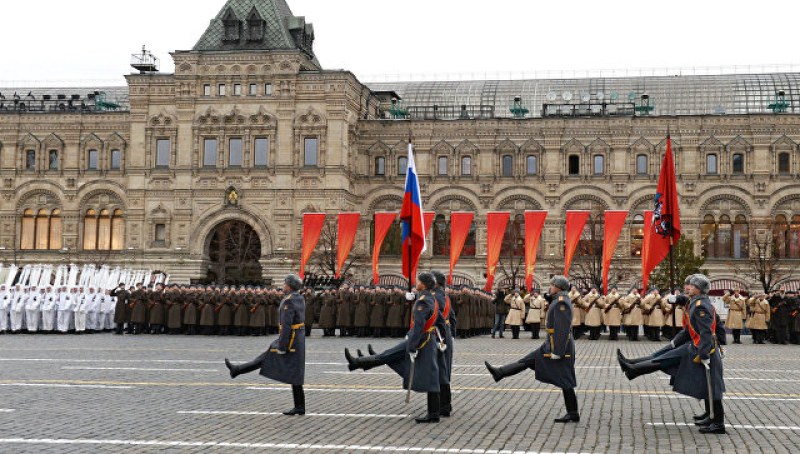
(667, 130)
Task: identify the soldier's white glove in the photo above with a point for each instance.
(706, 363)
(280, 352)
(554, 356)
(410, 296)
(413, 355)
(672, 342)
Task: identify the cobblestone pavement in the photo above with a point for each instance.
(107, 393)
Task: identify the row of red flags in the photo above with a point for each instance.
(661, 232)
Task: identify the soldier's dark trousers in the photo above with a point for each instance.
(299, 397)
(308, 330)
(737, 334)
(577, 332)
(780, 334)
(571, 401)
(191, 330)
(594, 333)
(119, 329)
(445, 400)
(794, 337)
(514, 332)
(535, 328)
(614, 333)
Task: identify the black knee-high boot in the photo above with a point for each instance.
(445, 400)
(571, 402)
(244, 368)
(703, 416)
(361, 362)
(434, 408)
(737, 333)
(499, 373)
(633, 370)
(716, 425)
(299, 398)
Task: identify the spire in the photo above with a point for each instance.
(257, 25)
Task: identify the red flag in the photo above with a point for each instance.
(428, 218)
(534, 223)
(383, 222)
(312, 228)
(345, 237)
(460, 224)
(647, 243)
(614, 222)
(576, 221)
(496, 224)
(666, 223)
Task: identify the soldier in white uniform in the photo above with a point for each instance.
(81, 309)
(5, 306)
(49, 310)
(66, 306)
(33, 309)
(17, 314)
(92, 310)
(106, 319)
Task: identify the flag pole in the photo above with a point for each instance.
(672, 262)
(410, 225)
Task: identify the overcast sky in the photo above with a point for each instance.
(91, 40)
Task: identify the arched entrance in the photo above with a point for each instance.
(234, 249)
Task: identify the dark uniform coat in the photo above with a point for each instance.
(681, 359)
(138, 307)
(426, 369)
(394, 317)
(327, 315)
(377, 318)
(343, 315)
(122, 313)
(156, 308)
(208, 314)
(285, 361)
(258, 313)
(311, 309)
(361, 318)
(191, 314)
(224, 310)
(174, 305)
(557, 372)
(241, 310)
(445, 358)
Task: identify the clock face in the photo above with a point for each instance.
(600, 96)
(632, 96)
(552, 96)
(614, 95)
(585, 96)
(567, 95)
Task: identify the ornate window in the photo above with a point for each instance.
(392, 245)
(780, 236)
(724, 238)
(711, 164)
(508, 165)
(637, 235)
(255, 26)
(598, 167)
(641, 164)
(441, 236)
(311, 152)
(261, 152)
(30, 160)
(221, 89)
(442, 167)
(466, 165)
(103, 230)
(532, 165)
(741, 238)
(708, 233)
(116, 159)
(574, 165)
(52, 160)
(41, 229)
(163, 152)
(92, 160)
(793, 238)
(783, 163)
(380, 165)
(402, 165)
(235, 152)
(737, 164)
(210, 153)
(233, 27)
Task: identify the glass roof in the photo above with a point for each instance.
(733, 94)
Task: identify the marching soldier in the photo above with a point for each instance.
(651, 308)
(632, 314)
(516, 312)
(759, 318)
(554, 361)
(414, 359)
(612, 313)
(445, 344)
(285, 359)
(692, 358)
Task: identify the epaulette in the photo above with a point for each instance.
(422, 297)
(561, 299)
(698, 303)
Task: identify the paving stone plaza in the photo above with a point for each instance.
(107, 393)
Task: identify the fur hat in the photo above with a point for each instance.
(294, 282)
(700, 282)
(560, 282)
(427, 280)
(441, 279)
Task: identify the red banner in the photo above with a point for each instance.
(496, 224)
(576, 221)
(666, 223)
(614, 222)
(647, 243)
(534, 224)
(428, 217)
(383, 222)
(460, 224)
(312, 228)
(345, 237)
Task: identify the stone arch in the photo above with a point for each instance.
(32, 197)
(102, 197)
(92, 189)
(584, 199)
(513, 202)
(462, 193)
(465, 203)
(384, 199)
(205, 226)
(705, 206)
(780, 206)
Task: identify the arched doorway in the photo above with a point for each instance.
(234, 249)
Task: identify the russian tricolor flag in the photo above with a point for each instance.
(411, 216)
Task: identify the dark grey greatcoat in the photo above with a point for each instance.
(426, 370)
(688, 376)
(445, 357)
(289, 367)
(557, 372)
